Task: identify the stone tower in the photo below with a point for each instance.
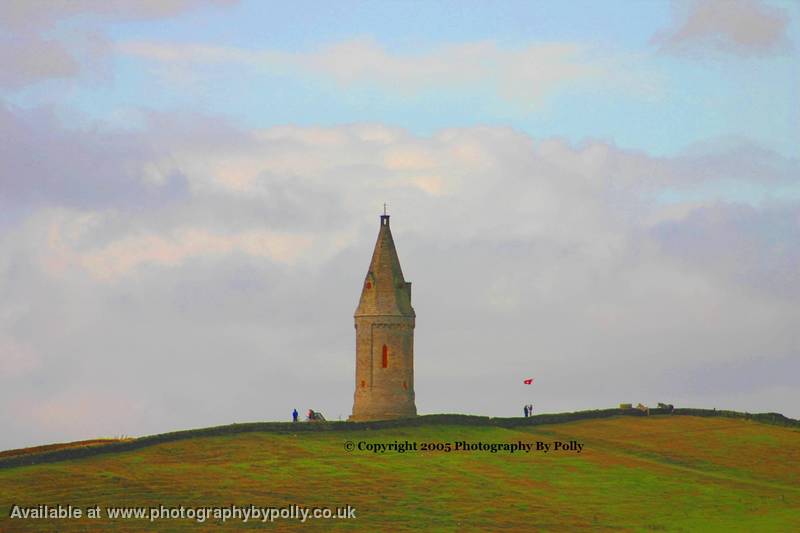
(384, 337)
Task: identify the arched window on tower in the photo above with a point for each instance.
(385, 360)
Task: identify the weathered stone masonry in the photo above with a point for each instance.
(384, 322)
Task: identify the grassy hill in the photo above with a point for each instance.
(662, 472)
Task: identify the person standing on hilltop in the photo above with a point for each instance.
(525, 408)
(294, 415)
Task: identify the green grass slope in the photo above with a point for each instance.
(633, 473)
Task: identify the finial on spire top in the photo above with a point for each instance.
(384, 216)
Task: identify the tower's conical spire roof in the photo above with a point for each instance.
(385, 292)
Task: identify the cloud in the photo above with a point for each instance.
(33, 48)
(748, 244)
(73, 413)
(523, 76)
(740, 27)
(16, 359)
(528, 256)
(46, 164)
(26, 59)
(124, 256)
(22, 15)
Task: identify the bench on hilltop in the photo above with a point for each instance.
(315, 416)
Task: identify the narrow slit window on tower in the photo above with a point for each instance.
(363, 384)
(385, 360)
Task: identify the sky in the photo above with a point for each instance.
(604, 196)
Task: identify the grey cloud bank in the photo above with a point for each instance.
(197, 273)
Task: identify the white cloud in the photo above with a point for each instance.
(129, 253)
(523, 76)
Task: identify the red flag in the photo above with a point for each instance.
(528, 381)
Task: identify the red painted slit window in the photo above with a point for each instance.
(385, 363)
(369, 284)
